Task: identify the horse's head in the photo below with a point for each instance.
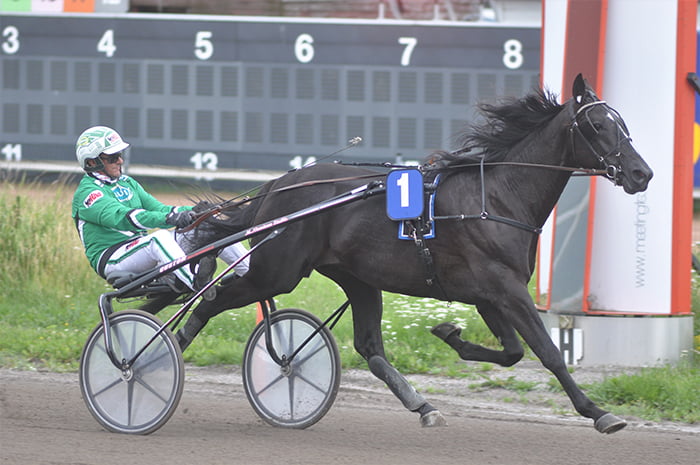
(601, 140)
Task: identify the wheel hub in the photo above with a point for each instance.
(127, 373)
(286, 370)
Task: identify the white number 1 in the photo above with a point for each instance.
(402, 183)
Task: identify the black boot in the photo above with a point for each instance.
(187, 333)
(205, 273)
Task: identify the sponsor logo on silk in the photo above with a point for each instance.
(92, 197)
(132, 244)
(122, 193)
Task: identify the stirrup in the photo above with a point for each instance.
(173, 283)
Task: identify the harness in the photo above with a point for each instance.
(422, 228)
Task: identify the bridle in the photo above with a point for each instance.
(583, 125)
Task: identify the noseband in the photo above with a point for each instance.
(583, 125)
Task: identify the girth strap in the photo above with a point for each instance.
(416, 233)
(431, 278)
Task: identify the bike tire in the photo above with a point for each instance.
(300, 395)
(143, 398)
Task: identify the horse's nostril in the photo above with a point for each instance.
(642, 175)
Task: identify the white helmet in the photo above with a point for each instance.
(95, 141)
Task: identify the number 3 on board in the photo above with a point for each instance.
(404, 194)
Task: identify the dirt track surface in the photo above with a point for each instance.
(43, 421)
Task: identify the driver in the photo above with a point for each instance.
(113, 214)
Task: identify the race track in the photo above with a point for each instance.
(43, 421)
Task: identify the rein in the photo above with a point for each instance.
(574, 171)
(610, 171)
(232, 203)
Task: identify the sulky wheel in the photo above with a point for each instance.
(141, 399)
(301, 393)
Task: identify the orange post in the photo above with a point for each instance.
(259, 316)
(78, 6)
(683, 160)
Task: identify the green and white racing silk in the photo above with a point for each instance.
(109, 212)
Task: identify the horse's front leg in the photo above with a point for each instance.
(512, 349)
(519, 309)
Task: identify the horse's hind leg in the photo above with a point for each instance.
(512, 349)
(238, 293)
(366, 304)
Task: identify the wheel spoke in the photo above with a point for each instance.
(143, 397)
(290, 341)
(299, 395)
(120, 336)
(134, 341)
(319, 348)
(270, 384)
(107, 388)
(150, 362)
(291, 397)
(129, 401)
(311, 383)
(149, 388)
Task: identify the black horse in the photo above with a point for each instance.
(492, 204)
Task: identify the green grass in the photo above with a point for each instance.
(406, 329)
(48, 306)
(511, 384)
(666, 393)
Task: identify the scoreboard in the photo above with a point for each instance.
(225, 93)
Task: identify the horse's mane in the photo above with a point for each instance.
(503, 126)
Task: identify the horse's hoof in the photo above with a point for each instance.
(609, 423)
(445, 330)
(433, 418)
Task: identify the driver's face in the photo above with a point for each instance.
(112, 165)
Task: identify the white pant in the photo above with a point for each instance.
(161, 247)
(232, 253)
(229, 254)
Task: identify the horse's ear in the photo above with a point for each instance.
(579, 89)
